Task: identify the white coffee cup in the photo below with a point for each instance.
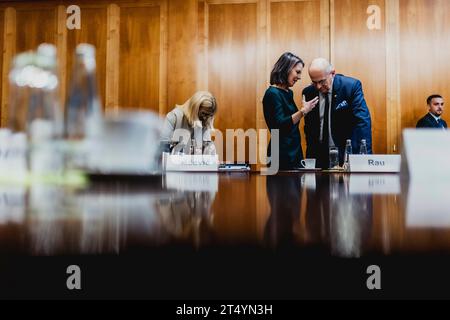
(309, 163)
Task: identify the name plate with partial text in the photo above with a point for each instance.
(375, 162)
(199, 163)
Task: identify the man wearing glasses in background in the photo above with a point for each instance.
(433, 119)
(342, 114)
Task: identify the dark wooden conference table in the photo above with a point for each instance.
(227, 235)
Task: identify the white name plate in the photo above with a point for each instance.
(374, 184)
(190, 162)
(375, 162)
(426, 154)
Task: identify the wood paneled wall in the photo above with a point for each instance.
(35, 25)
(183, 43)
(153, 54)
(361, 53)
(142, 53)
(231, 68)
(131, 42)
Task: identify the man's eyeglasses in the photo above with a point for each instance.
(320, 82)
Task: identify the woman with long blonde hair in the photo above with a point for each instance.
(194, 118)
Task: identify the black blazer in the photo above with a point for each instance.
(428, 121)
(350, 117)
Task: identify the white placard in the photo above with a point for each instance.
(375, 162)
(191, 162)
(374, 184)
(426, 154)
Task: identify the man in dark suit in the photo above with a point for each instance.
(433, 119)
(342, 114)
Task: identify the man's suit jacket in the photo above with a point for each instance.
(349, 119)
(428, 121)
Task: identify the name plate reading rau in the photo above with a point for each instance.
(375, 162)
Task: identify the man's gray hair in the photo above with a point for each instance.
(322, 64)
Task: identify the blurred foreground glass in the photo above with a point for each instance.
(334, 157)
(20, 79)
(128, 143)
(83, 118)
(15, 144)
(83, 110)
(363, 147)
(348, 152)
(35, 109)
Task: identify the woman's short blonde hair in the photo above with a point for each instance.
(200, 109)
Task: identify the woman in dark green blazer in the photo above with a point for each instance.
(281, 112)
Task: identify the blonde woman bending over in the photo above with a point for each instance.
(192, 120)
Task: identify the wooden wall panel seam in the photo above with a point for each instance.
(9, 50)
(205, 48)
(260, 198)
(260, 62)
(332, 31)
(325, 41)
(112, 57)
(393, 109)
(201, 7)
(268, 63)
(163, 72)
(61, 44)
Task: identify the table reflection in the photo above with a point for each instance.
(187, 213)
(106, 218)
(339, 214)
(334, 217)
(284, 194)
(338, 218)
(350, 218)
(428, 204)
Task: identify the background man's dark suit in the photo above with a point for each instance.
(429, 121)
(349, 119)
